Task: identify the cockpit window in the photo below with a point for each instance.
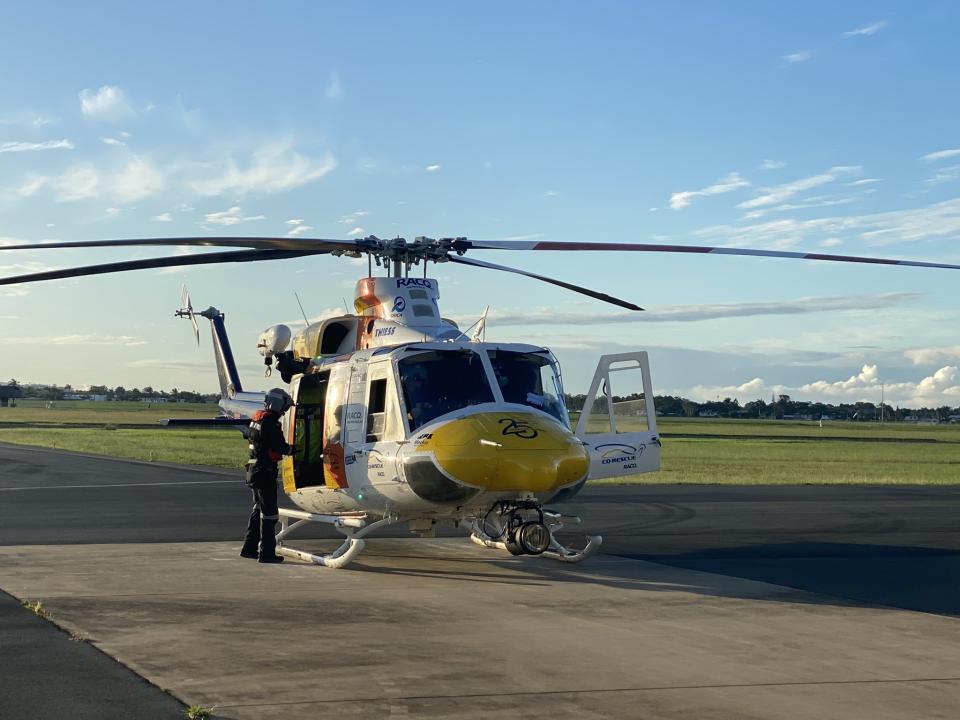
(529, 379)
(438, 382)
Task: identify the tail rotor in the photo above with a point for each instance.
(186, 311)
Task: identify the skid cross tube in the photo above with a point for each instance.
(555, 551)
(354, 527)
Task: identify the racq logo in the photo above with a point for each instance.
(413, 282)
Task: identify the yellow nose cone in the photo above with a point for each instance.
(508, 451)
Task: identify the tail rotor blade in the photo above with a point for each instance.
(186, 310)
(193, 317)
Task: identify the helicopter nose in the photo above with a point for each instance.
(507, 452)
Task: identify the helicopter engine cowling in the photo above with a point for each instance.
(274, 340)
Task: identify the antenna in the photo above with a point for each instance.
(306, 322)
(345, 307)
(481, 331)
(480, 326)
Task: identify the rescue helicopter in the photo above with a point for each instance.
(400, 416)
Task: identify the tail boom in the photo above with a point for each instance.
(230, 385)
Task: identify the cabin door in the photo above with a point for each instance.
(618, 423)
(303, 427)
(384, 431)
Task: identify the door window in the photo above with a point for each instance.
(377, 410)
(620, 402)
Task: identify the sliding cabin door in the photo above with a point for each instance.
(384, 430)
(304, 428)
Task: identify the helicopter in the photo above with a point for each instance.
(400, 416)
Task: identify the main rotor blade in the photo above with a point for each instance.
(694, 249)
(230, 256)
(569, 286)
(263, 243)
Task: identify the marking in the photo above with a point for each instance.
(107, 487)
(597, 691)
(520, 428)
(399, 304)
(413, 282)
(620, 453)
(617, 446)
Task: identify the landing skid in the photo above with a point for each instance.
(556, 550)
(354, 527)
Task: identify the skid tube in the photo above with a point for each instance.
(354, 527)
(555, 551)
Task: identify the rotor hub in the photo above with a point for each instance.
(421, 249)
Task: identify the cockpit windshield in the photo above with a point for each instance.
(529, 379)
(437, 382)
